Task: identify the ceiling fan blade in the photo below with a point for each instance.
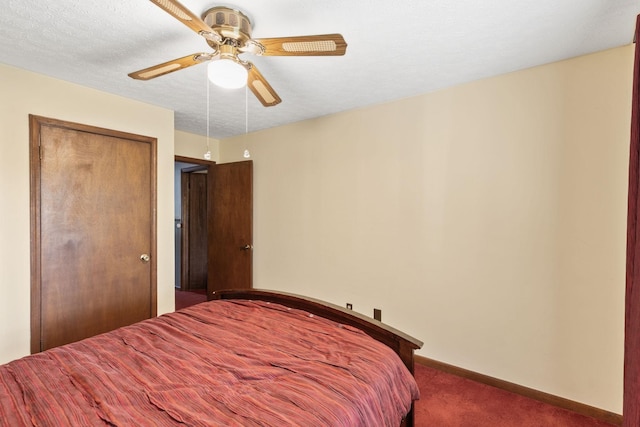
(171, 66)
(320, 45)
(188, 18)
(261, 88)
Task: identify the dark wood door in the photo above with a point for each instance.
(194, 260)
(631, 384)
(231, 248)
(93, 193)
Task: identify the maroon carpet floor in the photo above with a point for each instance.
(451, 401)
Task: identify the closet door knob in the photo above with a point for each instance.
(247, 247)
(145, 258)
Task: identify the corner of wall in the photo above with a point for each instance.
(192, 145)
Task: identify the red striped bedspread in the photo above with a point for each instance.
(220, 363)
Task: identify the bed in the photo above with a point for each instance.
(245, 358)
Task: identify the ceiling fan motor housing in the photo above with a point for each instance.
(229, 23)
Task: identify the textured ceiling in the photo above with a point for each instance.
(396, 49)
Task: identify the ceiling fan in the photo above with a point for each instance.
(228, 33)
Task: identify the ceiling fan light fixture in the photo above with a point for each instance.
(228, 34)
(227, 73)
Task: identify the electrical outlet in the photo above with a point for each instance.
(349, 306)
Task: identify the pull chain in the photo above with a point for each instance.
(207, 155)
(246, 153)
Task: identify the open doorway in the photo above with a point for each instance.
(191, 231)
(193, 228)
(226, 226)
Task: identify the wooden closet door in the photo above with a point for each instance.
(94, 224)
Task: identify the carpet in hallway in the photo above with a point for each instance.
(188, 298)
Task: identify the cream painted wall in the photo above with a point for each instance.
(488, 220)
(25, 93)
